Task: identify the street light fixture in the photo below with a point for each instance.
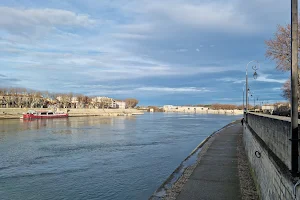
(255, 67)
(255, 75)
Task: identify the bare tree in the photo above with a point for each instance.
(105, 102)
(28, 98)
(80, 99)
(279, 50)
(86, 101)
(131, 102)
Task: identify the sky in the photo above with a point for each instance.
(174, 52)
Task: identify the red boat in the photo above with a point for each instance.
(43, 115)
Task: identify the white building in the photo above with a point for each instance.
(59, 98)
(268, 108)
(113, 104)
(101, 99)
(74, 100)
(171, 108)
(110, 102)
(168, 107)
(120, 104)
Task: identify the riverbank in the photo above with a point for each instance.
(15, 113)
(206, 174)
(222, 112)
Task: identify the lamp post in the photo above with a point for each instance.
(251, 95)
(258, 103)
(294, 87)
(244, 97)
(255, 67)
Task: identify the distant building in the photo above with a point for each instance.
(283, 106)
(109, 102)
(268, 108)
(120, 104)
(113, 104)
(168, 107)
(106, 102)
(74, 100)
(101, 99)
(59, 98)
(171, 108)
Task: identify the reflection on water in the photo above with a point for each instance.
(62, 124)
(97, 157)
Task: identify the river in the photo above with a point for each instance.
(96, 157)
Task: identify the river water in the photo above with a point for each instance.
(95, 157)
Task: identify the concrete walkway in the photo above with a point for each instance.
(216, 176)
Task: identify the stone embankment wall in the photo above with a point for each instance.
(228, 112)
(267, 144)
(11, 113)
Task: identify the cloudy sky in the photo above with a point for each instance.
(160, 52)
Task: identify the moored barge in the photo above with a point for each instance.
(32, 114)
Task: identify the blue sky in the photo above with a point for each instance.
(160, 52)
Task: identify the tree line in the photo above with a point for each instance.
(16, 97)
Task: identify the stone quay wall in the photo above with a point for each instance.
(13, 113)
(267, 144)
(204, 111)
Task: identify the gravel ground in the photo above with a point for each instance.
(248, 188)
(173, 192)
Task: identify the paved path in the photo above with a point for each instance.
(216, 176)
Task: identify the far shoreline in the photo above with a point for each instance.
(16, 113)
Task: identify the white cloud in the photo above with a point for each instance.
(25, 21)
(265, 78)
(130, 89)
(276, 88)
(173, 90)
(119, 51)
(136, 28)
(261, 78)
(181, 50)
(223, 16)
(130, 36)
(233, 80)
(121, 71)
(232, 16)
